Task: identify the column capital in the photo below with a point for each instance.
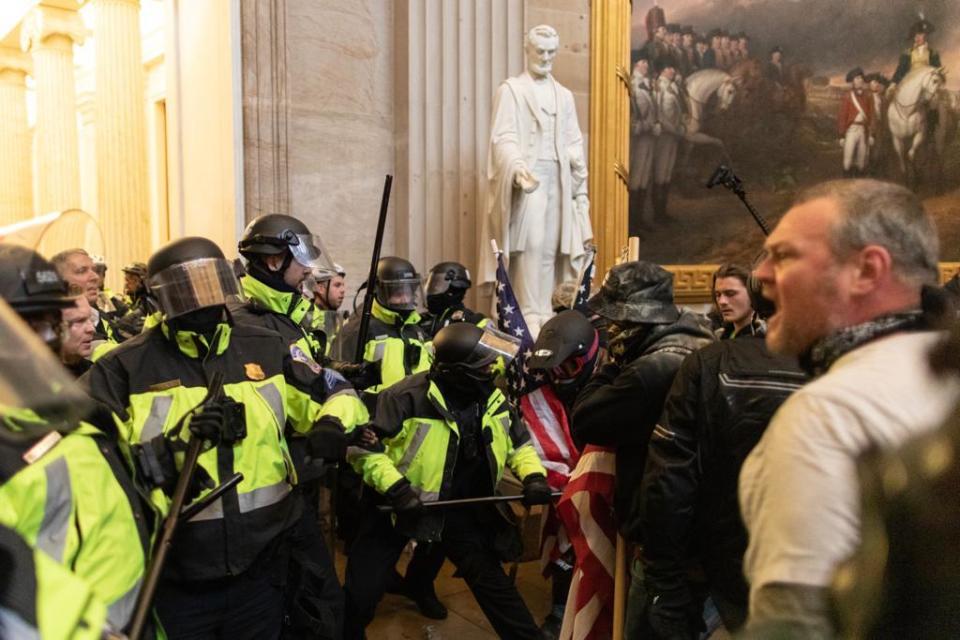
(135, 3)
(15, 60)
(45, 22)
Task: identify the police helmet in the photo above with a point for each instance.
(275, 233)
(29, 283)
(398, 284)
(447, 275)
(464, 348)
(189, 274)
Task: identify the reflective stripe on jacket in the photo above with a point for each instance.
(285, 313)
(41, 599)
(399, 344)
(77, 504)
(421, 438)
(152, 381)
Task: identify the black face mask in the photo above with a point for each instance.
(465, 384)
(202, 321)
(437, 303)
(273, 279)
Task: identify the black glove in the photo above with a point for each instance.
(366, 438)
(361, 375)
(156, 466)
(327, 441)
(536, 490)
(207, 423)
(403, 498)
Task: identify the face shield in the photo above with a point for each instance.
(37, 395)
(494, 347)
(404, 294)
(195, 284)
(308, 250)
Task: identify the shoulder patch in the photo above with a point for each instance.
(303, 357)
(254, 371)
(332, 378)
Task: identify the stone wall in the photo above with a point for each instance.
(338, 93)
(318, 100)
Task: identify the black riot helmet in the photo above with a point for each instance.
(275, 233)
(447, 284)
(447, 275)
(190, 274)
(398, 284)
(566, 347)
(466, 350)
(29, 283)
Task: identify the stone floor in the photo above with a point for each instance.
(398, 618)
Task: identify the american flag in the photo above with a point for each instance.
(542, 412)
(510, 320)
(586, 279)
(586, 509)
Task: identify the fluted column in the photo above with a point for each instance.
(16, 186)
(450, 59)
(121, 147)
(49, 34)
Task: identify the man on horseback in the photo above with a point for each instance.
(919, 54)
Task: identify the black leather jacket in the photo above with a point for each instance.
(719, 405)
(621, 404)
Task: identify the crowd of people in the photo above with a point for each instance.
(744, 438)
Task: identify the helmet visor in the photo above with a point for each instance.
(309, 251)
(440, 281)
(399, 295)
(192, 285)
(494, 345)
(37, 395)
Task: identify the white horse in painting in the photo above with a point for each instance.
(700, 87)
(907, 114)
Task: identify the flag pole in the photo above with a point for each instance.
(620, 589)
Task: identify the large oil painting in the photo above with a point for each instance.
(786, 93)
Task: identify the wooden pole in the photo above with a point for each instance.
(621, 580)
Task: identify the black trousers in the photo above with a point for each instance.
(313, 599)
(245, 606)
(469, 547)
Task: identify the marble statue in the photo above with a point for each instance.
(538, 209)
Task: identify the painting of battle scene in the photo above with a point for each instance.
(786, 93)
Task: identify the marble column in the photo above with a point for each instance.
(48, 34)
(450, 57)
(121, 142)
(16, 185)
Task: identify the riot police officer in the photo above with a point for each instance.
(69, 494)
(448, 434)
(224, 574)
(40, 597)
(395, 339)
(447, 284)
(281, 253)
